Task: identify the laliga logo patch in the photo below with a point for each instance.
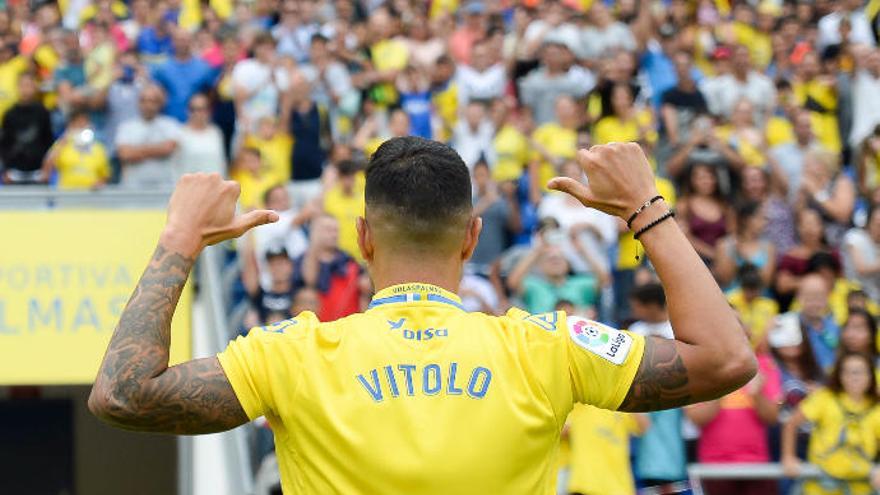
(604, 341)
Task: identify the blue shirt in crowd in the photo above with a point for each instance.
(181, 80)
(824, 340)
(418, 106)
(661, 454)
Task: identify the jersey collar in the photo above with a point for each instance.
(412, 292)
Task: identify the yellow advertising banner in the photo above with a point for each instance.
(65, 277)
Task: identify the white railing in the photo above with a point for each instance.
(42, 197)
(744, 471)
(237, 453)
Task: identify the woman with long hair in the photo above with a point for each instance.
(859, 334)
(703, 213)
(794, 263)
(780, 228)
(746, 245)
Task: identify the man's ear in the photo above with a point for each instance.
(475, 225)
(365, 239)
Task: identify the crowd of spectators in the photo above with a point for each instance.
(761, 118)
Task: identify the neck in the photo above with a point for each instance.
(280, 285)
(392, 269)
(855, 396)
(812, 245)
(814, 320)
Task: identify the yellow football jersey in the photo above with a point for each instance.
(417, 396)
(600, 451)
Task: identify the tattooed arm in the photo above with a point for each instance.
(710, 355)
(135, 389)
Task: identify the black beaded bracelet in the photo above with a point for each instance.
(668, 214)
(629, 223)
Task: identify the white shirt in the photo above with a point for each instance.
(866, 106)
(829, 29)
(483, 290)
(724, 91)
(645, 329)
(199, 151)
(859, 240)
(153, 173)
(476, 85)
(568, 215)
(264, 85)
(471, 144)
(596, 43)
(279, 234)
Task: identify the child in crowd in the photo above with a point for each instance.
(845, 417)
(275, 147)
(254, 181)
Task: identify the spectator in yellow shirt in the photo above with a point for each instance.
(599, 456)
(389, 56)
(510, 145)
(817, 92)
(81, 160)
(553, 143)
(846, 430)
(249, 174)
(275, 147)
(345, 202)
(626, 122)
(743, 135)
(11, 66)
(755, 310)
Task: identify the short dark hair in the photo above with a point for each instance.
(650, 293)
(822, 260)
(749, 277)
(744, 211)
(263, 38)
(347, 168)
(268, 193)
(420, 188)
(319, 38)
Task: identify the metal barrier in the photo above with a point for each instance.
(744, 471)
(40, 197)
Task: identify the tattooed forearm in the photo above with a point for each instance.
(661, 381)
(135, 389)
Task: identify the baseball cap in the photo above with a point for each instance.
(785, 331)
(722, 53)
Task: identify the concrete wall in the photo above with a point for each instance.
(108, 461)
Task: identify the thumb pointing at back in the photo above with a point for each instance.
(575, 188)
(252, 219)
